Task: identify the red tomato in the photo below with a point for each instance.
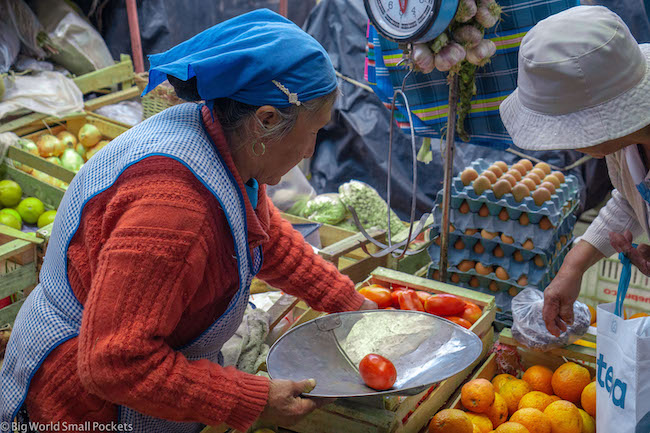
(444, 305)
(377, 372)
(459, 321)
(408, 300)
(423, 296)
(399, 287)
(390, 308)
(378, 294)
(472, 312)
(395, 294)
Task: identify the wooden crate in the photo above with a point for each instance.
(404, 414)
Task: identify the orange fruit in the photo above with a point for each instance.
(500, 379)
(565, 417)
(511, 427)
(476, 429)
(569, 380)
(637, 315)
(533, 419)
(481, 421)
(536, 400)
(451, 421)
(554, 398)
(512, 392)
(588, 399)
(588, 423)
(498, 411)
(477, 395)
(592, 311)
(539, 378)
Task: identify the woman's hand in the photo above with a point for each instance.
(640, 256)
(368, 305)
(285, 406)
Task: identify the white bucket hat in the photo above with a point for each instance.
(583, 80)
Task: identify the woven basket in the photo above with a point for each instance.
(159, 99)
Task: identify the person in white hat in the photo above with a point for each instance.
(584, 84)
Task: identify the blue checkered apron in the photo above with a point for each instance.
(52, 314)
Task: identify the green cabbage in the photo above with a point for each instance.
(326, 209)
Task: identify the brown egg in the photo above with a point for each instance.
(470, 232)
(544, 167)
(541, 195)
(524, 220)
(539, 261)
(473, 282)
(488, 235)
(493, 286)
(464, 208)
(513, 291)
(491, 176)
(481, 184)
(459, 245)
(530, 183)
(554, 180)
(559, 175)
(502, 274)
(465, 265)
(437, 240)
(515, 173)
(539, 172)
(510, 178)
(501, 188)
(520, 168)
(549, 186)
(484, 211)
(502, 165)
(523, 280)
(436, 275)
(455, 278)
(545, 224)
(496, 170)
(503, 215)
(468, 176)
(520, 192)
(528, 245)
(534, 177)
(479, 248)
(498, 252)
(563, 240)
(558, 246)
(507, 239)
(518, 256)
(526, 163)
(452, 228)
(482, 269)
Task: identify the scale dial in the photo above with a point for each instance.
(411, 20)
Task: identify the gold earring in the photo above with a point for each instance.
(263, 148)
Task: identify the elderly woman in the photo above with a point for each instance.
(584, 84)
(157, 239)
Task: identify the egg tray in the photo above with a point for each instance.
(560, 204)
(544, 239)
(536, 275)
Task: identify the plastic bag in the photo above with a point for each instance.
(369, 206)
(292, 193)
(24, 63)
(9, 47)
(50, 93)
(129, 112)
(25, 25)
(326, 209)
(80, 47)
(529, 328)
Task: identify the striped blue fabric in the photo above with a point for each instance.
(52, 314)
(428, 94)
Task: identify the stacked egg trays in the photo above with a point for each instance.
(497, 244)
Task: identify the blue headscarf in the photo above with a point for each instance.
(259, 58)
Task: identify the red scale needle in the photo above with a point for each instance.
(403, 4)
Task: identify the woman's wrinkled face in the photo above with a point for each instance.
(282, 155)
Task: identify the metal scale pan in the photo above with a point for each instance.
(425, 350)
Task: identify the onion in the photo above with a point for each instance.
(54, 160)
(450, 56)
(486, 18)
(439, 43)
(67, 138)
(423, 58)
(89, 135)
(468, 36)
(481, 54)
(466, 11)
(48, 145)
(72, 160)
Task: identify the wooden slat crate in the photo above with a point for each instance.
(404, 414)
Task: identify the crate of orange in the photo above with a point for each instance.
(517, 390)
(394, 289)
